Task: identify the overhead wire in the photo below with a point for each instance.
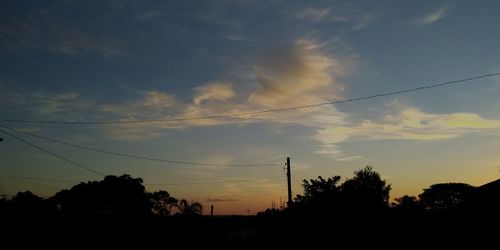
(137, 156)
(180, 119)
(198, 118)
(38, 179)
(150, 184)
(212, 182)
(35, 183)
(51, 153)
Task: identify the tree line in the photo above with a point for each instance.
(112, 196)
(329, 212)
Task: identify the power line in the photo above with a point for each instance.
(137, 156)
(254, 112)
(39, 179)
(211, 182)
(13, 195)
(36, 184)
(51, 153)
(149, 184)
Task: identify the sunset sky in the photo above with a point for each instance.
(144, 60)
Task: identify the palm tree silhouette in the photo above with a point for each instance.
(189, 209)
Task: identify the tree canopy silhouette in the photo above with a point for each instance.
(189, 208)
(121, 196)
(320, 196)
(28, 204)
(406, 202)
(367, 190)
(162, 202)
(444, 196)
(319, 189)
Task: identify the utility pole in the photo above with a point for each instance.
(289, 180)
(212, 211)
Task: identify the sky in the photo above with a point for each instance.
(131, 60)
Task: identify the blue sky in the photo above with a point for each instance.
(133, 60)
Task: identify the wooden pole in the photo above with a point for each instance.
(289, 180)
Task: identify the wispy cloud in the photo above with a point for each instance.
(237, 38)
(345, 14)
(410, 124)
(497, 80)
(218, 91)
(314, 14)
(433, 16)
(294, 74)
(40, 34)
(364, 21)
(148, 16)
(156, 104)
(132, 132)
(66, 105)
(222, 200)
(349, 158)
(297, 74)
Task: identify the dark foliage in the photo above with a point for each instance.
(366, 190)
(445, 196)
(113, 196)
(407, 203)
(118, 212)
(189, 209)
(162, 202)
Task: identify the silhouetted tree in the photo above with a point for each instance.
(320, 197)
(366, 190)
(189, 209)
(114, 195)
(407, 203)
(27, 204)
(444, 196)
(269, 212)
(319, 189)
(162, 202)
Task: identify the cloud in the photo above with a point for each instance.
(222, 200)
(364, 21)
(345, 13)
(218, 91)
(40, 34)
(314, 14)
(410, 124)
(349, 158)
(297, 74)
(62, 106)
(152, 104)
(433, 16)
(221, 159)
(55, 103)
(236, 38)
(131, 132)
(148, 16)
(158, 100)
(294, 74)
(415, 118)
(497, 81)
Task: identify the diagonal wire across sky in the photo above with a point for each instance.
(218, 116)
